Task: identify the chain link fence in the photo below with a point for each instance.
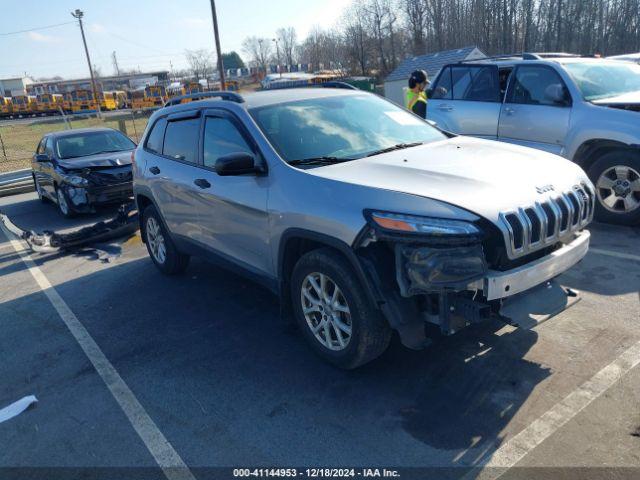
(19, 137)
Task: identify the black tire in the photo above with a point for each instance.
(370, 332)
(174, 261)
(67, 212)
(619, 158)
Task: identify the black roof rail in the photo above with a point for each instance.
(523, 56)
(541, 55)
(229, 96)
(513, 56)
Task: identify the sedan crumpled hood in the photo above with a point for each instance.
(483, 176)
(100, 160)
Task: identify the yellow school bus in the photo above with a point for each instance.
(6, 107)
(122, 99)
(82, 101)
(49, 103)
(24, 105)
(153, 96)
(67, 102)
(108, 100)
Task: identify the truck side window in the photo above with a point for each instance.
(222, 137)
(442, 89)
(476, 84)
(181, 140)
(48, 147)
(154, 142)
(538, 85)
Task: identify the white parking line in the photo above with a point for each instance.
(610, 253)
(164, 454)
(515, 449)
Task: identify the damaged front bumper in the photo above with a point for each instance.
(83, 199)
(453, 287)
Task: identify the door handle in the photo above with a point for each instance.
(202, 183)
(445, 107)
(155, 170)
(509, 111)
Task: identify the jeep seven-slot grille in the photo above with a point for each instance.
(536, 226)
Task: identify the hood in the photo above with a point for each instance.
(100, 160)
(482, 176)
(627, 101)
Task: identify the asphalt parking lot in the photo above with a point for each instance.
(135, 369)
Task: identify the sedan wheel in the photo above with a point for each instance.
(63, 205)
(326, 311)
(619, 189)
(157, 244)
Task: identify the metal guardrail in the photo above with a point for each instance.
(19, 181)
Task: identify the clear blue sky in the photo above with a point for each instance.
(144, 33)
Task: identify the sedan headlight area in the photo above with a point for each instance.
(424, 269)
(76, 180)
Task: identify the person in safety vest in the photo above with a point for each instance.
(416, 99)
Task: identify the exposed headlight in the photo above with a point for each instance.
(413, 224)
(76, 181)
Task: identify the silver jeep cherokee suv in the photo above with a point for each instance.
(362, 217)
(585, 109)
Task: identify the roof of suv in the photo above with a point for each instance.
(271, 97)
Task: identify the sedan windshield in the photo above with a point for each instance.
(84, 144)
(598, 80)
(340, 128)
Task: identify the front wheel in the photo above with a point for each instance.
(334, 312)
(161, 248)
(64, 206)
(616, 176)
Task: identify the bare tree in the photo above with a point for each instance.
(259, 50)
(200, 63)
(288, 41)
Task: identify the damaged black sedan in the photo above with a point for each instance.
(81, 169)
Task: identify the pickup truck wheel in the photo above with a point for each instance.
(616, 176)
(334, 313)
(161, 248)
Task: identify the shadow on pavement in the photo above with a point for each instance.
(207, 354)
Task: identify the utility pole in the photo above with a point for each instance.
(79, 14)
(278, 56)
(218, 51)
(114, 59)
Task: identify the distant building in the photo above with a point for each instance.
(397, 81)
(130, 81)
(10, 87)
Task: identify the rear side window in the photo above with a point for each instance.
(154, 141)
(442, 89)
(181, 140)
(476, 84)
(221, 137)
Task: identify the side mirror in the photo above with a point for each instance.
(237, 163)
(42, 157)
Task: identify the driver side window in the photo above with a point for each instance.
(222, 137)
(538, 85)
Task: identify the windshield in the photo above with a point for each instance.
(84, 144)
(341, 127)
(604, 80)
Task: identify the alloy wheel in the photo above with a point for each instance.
(156, 241)
(326, 311)
(62, 202)
(619, 189)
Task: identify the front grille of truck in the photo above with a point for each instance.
(533, 227)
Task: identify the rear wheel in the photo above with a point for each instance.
(616, 176)
(334, 312)
(161, 248)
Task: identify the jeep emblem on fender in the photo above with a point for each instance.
(544, 188)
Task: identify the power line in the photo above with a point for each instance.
(36, 28)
